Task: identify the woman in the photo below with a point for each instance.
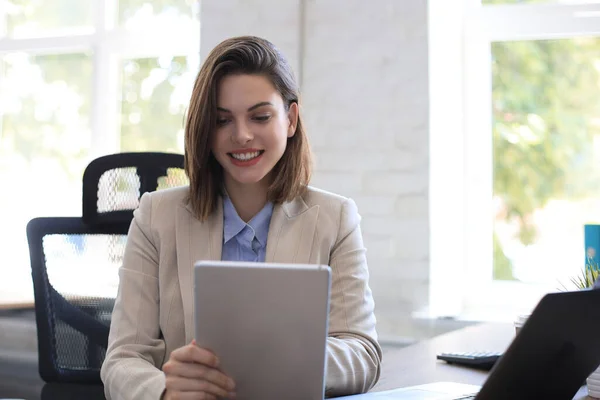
(248, 161)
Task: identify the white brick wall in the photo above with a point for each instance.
(278, 21)
(365, 95)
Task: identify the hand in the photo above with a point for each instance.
(192, 373)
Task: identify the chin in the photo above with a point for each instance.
(248, 179)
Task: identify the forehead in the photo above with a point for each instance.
(244, 91)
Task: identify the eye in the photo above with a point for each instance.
(222, 121)
(262, 118)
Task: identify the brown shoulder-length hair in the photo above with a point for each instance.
(241, 55)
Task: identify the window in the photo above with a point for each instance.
(80, 79)
(527, 149)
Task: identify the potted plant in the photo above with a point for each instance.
(588, 276)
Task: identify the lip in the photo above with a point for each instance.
(241, 151)
(244, 163)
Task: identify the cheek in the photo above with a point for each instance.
(281, 132)
(218, 139)
(277, 138)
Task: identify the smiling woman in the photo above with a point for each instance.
(249, 163)
(253, 128)
(259, 99)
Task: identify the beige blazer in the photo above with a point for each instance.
(153, 313)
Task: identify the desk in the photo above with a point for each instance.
(58, 391)
(407, 366)
(416, 364)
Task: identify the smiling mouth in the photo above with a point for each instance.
(249, 156)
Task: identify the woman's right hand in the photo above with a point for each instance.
(192, 373)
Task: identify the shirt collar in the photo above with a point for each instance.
(233, 224)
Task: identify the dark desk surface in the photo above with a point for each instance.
(55, 391)
(408, 366)
(417, 364)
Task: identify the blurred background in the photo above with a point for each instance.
(468, 132)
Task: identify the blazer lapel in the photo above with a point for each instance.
(291, 232)
(195, 241)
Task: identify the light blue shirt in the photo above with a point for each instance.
(245, 241)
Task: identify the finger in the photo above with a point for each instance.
(193, 353)
(219, 378)
(187, 385)
(198, 371)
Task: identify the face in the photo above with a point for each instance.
(253, 127)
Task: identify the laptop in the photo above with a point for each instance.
(267, 323)
(550, 358)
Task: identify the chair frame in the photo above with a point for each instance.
(150, 166)
(55, 304)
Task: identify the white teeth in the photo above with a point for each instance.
(245, 156)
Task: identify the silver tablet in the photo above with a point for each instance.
(267, 323)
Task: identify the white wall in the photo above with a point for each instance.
(363, 69)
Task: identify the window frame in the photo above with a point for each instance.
(108, 44)
(461, 269)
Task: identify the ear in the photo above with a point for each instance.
(293, 119)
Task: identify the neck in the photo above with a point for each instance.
(248, 200)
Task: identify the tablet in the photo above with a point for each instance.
(267, 323)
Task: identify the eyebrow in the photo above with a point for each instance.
(254, 107)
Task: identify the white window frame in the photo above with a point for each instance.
(108, 44)
(461, 179)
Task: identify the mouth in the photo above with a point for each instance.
(245, 158)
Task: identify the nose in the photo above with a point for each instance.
(241, 134)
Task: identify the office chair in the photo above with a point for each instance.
(74, 269)
(113, 184)
(75, 261)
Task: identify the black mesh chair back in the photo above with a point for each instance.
(75, 277)
(75, 262)
(113, 184)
